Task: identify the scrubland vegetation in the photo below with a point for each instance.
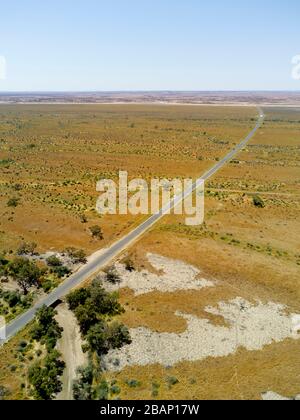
(52, 156)
(249, 244)
(50, 160)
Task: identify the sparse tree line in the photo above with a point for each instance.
(44, 375)
(30, 273)
(95, 309)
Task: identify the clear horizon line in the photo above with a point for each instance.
(148, 91)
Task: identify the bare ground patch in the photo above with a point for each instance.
(174, 276)
(250, 326)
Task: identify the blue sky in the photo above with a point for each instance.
(149, 45)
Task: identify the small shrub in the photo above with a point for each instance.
(4, 392)
(27, 248)
(102, 391)
(12, 298)
(61, 271)
(258, 202)
(132, 383)
(53, 261)
(96, 232)
(82, 387)
(18, 187)
(171, 381)
(23, 344)
(13, 202)
(83, 218)
(112, 276)
(129, 265)
(77, 255)
(155, 389)
(47, 285)
(115, 390)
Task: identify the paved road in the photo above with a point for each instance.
(18, 324)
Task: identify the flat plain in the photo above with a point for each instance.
(51, 157)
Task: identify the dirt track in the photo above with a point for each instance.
(70, 347)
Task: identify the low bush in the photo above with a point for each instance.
(54, 261)
(96, 232)
(112, 276)
(27, 248)
(77, 255)
(129, 265)
(13, 202)
(60, 271)
(258, 202)
(132, 383)
(4, 392)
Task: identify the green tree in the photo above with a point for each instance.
(46, 328)
(97, 338)
(103, 337)
(102, 391)
(45, 377)
(25, 272)
(86, 316)
(93, 302)
(61, 271)
(118, 336)
(106, 303)
(77, 298)
(82, 387)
